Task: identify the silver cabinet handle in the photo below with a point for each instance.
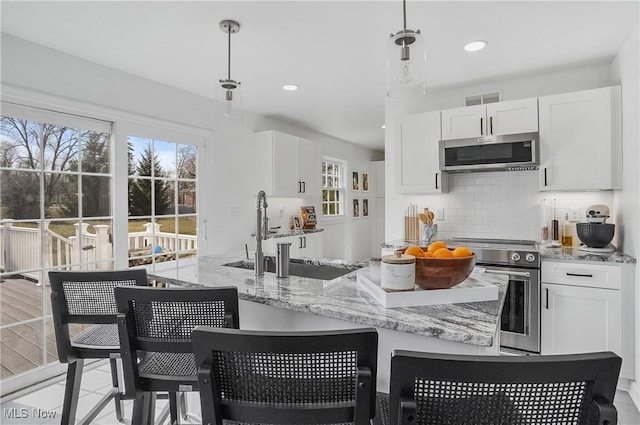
(519, 274)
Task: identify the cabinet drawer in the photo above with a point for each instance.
(580, 274)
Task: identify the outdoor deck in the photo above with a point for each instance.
(21, 345)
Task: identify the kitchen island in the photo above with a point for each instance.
(298, 303)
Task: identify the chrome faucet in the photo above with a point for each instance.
(262, 232)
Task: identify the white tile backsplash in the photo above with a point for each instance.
(502, 205)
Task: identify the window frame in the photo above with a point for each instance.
(341, 189)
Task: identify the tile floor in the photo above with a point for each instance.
(43, 405)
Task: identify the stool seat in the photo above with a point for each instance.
(98, 336)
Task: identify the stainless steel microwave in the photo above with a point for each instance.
(495, 153)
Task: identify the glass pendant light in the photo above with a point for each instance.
(406, 62)
(229, 91)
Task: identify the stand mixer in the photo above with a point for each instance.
(596, 234)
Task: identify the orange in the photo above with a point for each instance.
(462, 251)
(428, 254)
(443, 253)
(433, 246)
(416, 251)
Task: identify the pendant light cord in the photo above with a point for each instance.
(229, 55)
(404, 14)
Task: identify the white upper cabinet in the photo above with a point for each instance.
(491, 119)
(580, 140)
(416, 154)
(289, 166)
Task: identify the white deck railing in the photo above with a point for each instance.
(21, 247)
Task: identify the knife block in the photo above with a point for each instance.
(411, 228)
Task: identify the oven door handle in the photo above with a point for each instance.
(512, 273)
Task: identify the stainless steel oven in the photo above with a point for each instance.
(520, 260)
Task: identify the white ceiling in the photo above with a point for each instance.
(334, 50)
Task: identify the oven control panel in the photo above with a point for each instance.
(523, 258)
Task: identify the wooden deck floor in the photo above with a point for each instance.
(21, 345)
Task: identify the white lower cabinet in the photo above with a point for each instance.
(579, 320)
(588, 308)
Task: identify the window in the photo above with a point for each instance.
(332, 187)
(162, 200)
(55, 213)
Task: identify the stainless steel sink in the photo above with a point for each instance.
(299, 268)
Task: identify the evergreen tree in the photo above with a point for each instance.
(140, 189)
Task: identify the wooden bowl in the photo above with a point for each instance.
(443, 273)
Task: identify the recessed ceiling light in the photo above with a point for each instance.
(290, 87)
(474, 46)
(383, 126)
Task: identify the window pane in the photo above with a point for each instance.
(19, 195)
(164, 154)
(164, 240)
(19, 147)
(23, 244)
(139, 197)
(332, 195)
(332, 209)
(140, 155)
(186, 197)
(61, 239)
(22, 346)
(95, 152)
(60, 195)
(96, 196)
(325, 209)
(187, 159)
(164, 197)
(60, 148)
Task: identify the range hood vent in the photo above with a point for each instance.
(480, 99)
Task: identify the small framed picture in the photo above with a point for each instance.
(365, 208)
(355, 181)
(356, 208)
(365, 182)
(296, 223)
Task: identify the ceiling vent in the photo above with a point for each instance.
(480, 99)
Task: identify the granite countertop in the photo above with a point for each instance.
(546, 253)
(343, 298)
(286, 233)
(575, 254)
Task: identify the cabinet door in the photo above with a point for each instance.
(310, 245)
(417, 157)
(285, 165)
(580, 145)
(513, 117)
(464, 122)
(579, 319)
(310, 170)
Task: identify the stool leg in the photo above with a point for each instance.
(183, 406)
(115, 381)
(72, 392)
(143, 407)
(173, 408)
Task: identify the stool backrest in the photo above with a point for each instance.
(321, 377)
(428, 388)
(86, 297)
(160, 321)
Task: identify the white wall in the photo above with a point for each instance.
(227, 198)
(626, 71)
(494, 204)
